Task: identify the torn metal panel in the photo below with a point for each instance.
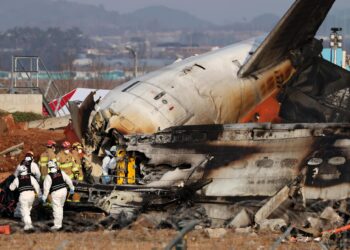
(131, 199)
(320, 93)
(18, 147)
(80, 115)
(269, 207)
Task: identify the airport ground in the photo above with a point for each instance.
(143, 238)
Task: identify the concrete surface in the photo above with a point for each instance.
(50, 123)
(21, 102)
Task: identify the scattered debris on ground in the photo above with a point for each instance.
(285, 218)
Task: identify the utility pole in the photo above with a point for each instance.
(134, 54)
(336, 41)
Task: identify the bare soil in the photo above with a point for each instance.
(34, 140)
(142, 239)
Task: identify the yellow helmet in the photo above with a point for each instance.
(77, 145)
(120, 152)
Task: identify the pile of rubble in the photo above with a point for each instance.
(323, 222)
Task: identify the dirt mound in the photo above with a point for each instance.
(33, 139)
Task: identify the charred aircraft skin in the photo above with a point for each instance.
(252, 159)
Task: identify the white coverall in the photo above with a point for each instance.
(34, 169)
(58, 197)
(108, 162)
(26, 199)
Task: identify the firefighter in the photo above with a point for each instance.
(125, 168)
(77, 153)
(45, 157)
(55, 183)
(26, 185)
(109, 165)
(65, 159)
(32, 167)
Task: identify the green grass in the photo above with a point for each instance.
(26, 116)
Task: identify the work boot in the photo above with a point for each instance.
(28, 228)
(56, 228)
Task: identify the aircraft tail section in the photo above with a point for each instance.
(296, 28)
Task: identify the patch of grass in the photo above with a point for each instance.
(26, 116)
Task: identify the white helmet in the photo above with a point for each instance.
(111, 151)
(28, 158)
(52, 166)
(22, 170)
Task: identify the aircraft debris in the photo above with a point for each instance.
(223, 175)
(13, 150)
(332, 217)
(270, 206)
(215, 233)
(242, 219)
(145, 221)
(272, 225)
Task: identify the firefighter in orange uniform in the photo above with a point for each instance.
(77, 153)
(65, 159)
(66, 163)
(46, 156)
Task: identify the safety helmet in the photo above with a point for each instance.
(28, 158)
(27, 161)
(113, 149)
(52, 166)
(30, 154)
(22, 169)
(66, 144)
(77, 145)
(120, 153)
(51, 143)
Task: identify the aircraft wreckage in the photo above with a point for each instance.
(188, 124)
(163, 119)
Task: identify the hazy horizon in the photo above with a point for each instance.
(219, 11)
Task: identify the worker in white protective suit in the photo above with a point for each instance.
(27, 186)
(109, 164)
(32, 167)
(55, 183)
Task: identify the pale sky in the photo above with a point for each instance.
(217, 11)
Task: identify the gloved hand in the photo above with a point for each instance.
(71, 191)
(106, 179)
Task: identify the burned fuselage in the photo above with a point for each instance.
(225, 87)
(248, 160)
